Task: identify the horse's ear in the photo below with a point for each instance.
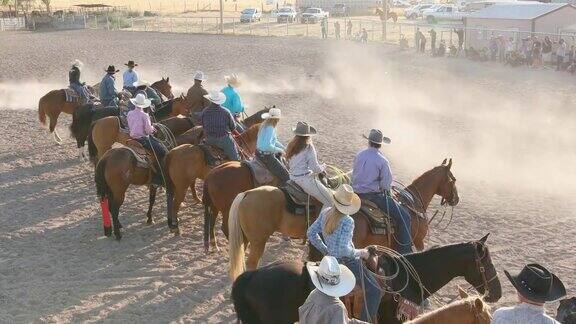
(449, 164)
(484, 239)
(182, 96)
(168, 79)
(462, 293)
(163, 79)
(444, 162)
(479, 304)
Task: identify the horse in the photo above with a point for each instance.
(54, 103)
(186, 163)
(566, 312)
(256, 214)
(391, 14)
(272, 294)
(85, 115)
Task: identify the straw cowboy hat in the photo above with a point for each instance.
(140, 83)
(376, 137)
(233, 80)
(216, 97)
(141, 101)
(537, 284)
(111, 69)
(199, 76)
(273, 113)
(331, 278)
(78, 64)
(303, 129)
(345, 200)
(131, 64)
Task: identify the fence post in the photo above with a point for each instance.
(187, 21)
(171, 24)
(158, 21)
(202, 25)
(85, 23)
(374, 31)
(233, 26)
(307, 34)
(107, 22)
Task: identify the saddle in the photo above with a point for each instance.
(213, 155)
(71, 95)
(297, 200)
(380, 222)
(260, 174)
(144, 159)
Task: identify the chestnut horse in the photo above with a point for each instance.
(468, 310)
(54, 102)
(186, 163)
(258, 213)
(255, 302)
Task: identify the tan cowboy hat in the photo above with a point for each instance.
(377, 137)
(233, 80)
(77, 63)
(216, 97)
(131, 64)
(273, 113)
(345, 200)
(303, 129)
(140, 83)
(331, 278)
(141, 101)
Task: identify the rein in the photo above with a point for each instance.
(482, 270)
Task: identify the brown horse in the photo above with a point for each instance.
(186, 163)
(258, 213)
(468, 310)
(164, 87)
(391, 15)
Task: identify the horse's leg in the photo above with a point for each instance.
(179, 195)
(197, 199)
(151, 200)
(255, 254)
(53, 120)
(115, 210)
(419, 231)
(225, 216)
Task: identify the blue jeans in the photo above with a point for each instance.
(151, 143)
(109, 102)
(227, 144)
(371, 286)
(400, 215)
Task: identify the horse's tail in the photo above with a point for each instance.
(42, 109)
(242, 306)
(207, 203)
(236, 240)
(81, 118)
(92, 150)
(102, 188)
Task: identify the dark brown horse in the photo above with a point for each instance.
(255, 302)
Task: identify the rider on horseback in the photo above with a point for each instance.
(195, 97)
(304, 165)
(141, 130)
(218, 125)
(75, 84)
(233, 102)
(372, 180)
(269, 149)
(130, 77)
(108, 92)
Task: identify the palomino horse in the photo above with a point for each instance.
(54, 102)
(256, 214)
(186, 163)
(255, 302)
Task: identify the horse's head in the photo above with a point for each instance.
(481, 273)
(447, 186)
(164, 87)
(476, 307)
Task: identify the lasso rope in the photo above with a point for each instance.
(169, 140)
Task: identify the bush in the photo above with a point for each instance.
(150, 14)
(133, 14)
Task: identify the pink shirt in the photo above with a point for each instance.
(139, 123)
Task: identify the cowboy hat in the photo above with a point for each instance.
(140, 83)
(216, 97)
(273, 113)
(111, 69)
(233, 80)
(345, 200)
(537, 284)
(199, 76)
(141, 101)
(331, 278)
(303, 129)
(78, 64)
(376, 137)
(131, 64)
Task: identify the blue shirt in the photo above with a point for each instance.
(108, 88)
(267, 141)
(233, 102)
(337, 244)
(371, 172)
(129, 77)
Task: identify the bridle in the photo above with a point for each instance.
(482, 269)
(450, 200)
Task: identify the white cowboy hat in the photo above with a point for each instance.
(199, 76)
(303, 129)
(140, 83)
(141, 101)
(216, 97)
(78, 64)
(233, 80)
(331, 278)
(377, 137)
(345, 200)
(274, 113)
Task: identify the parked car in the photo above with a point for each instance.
(339, 10)
(313, 15)
(416, 11)
(401, 4)
(286, 14)
(443, 12)
(250, 15)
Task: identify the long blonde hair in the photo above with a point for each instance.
(332, 221)
(270, 122)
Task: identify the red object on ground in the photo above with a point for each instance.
(106, 221)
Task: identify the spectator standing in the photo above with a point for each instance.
(547, 50)
(349, 29)
(560, 53)
(510, 47)
(432, 33)
(337, 29)
(324, 26)
(536, 53)
(501, 49)
(460, 33)
(364, 36)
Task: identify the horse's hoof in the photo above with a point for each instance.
(150, 222)
(175, 231)
(108, 231)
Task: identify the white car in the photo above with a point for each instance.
(313, 15)
(286, 14)
(443, 12)
(250, 15)
(416, 11)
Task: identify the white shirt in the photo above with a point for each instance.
(561, 50)
(304, 163)
(522, 313)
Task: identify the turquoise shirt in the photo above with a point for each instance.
(267, 141)
(233, 102)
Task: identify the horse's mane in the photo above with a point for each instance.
(425, 174)
(468, 302)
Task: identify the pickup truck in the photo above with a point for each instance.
(444, 12)
(286, 14)
(313, 15)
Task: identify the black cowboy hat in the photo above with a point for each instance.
(112, 69)
(131, 64)
(537, 284)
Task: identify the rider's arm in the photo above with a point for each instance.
(148, 128)
(345, 247)
(385, 176)
(267, 141)
(314, 231)
(313, 163)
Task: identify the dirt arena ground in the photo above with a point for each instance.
(510, 132)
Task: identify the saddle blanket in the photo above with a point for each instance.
(260, 173)
(71, 95)
(141, 157)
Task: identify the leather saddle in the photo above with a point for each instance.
(213, 155)
(380, 222)
(144, 158)
(297, 200)
(260, 174)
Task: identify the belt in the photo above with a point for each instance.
(264, 153)
(301, 175)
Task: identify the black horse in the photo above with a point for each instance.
(272, 294)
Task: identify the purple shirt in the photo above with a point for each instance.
(217, 121)
(371, 172)
(139, 124)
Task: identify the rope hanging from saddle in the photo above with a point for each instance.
(167, 139)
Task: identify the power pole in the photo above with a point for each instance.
(385, 20)
(221, 16)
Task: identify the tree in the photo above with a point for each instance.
(47, 4)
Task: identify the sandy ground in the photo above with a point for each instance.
(509, 131)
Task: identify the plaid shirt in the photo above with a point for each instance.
(339, 243)
(217, 121)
